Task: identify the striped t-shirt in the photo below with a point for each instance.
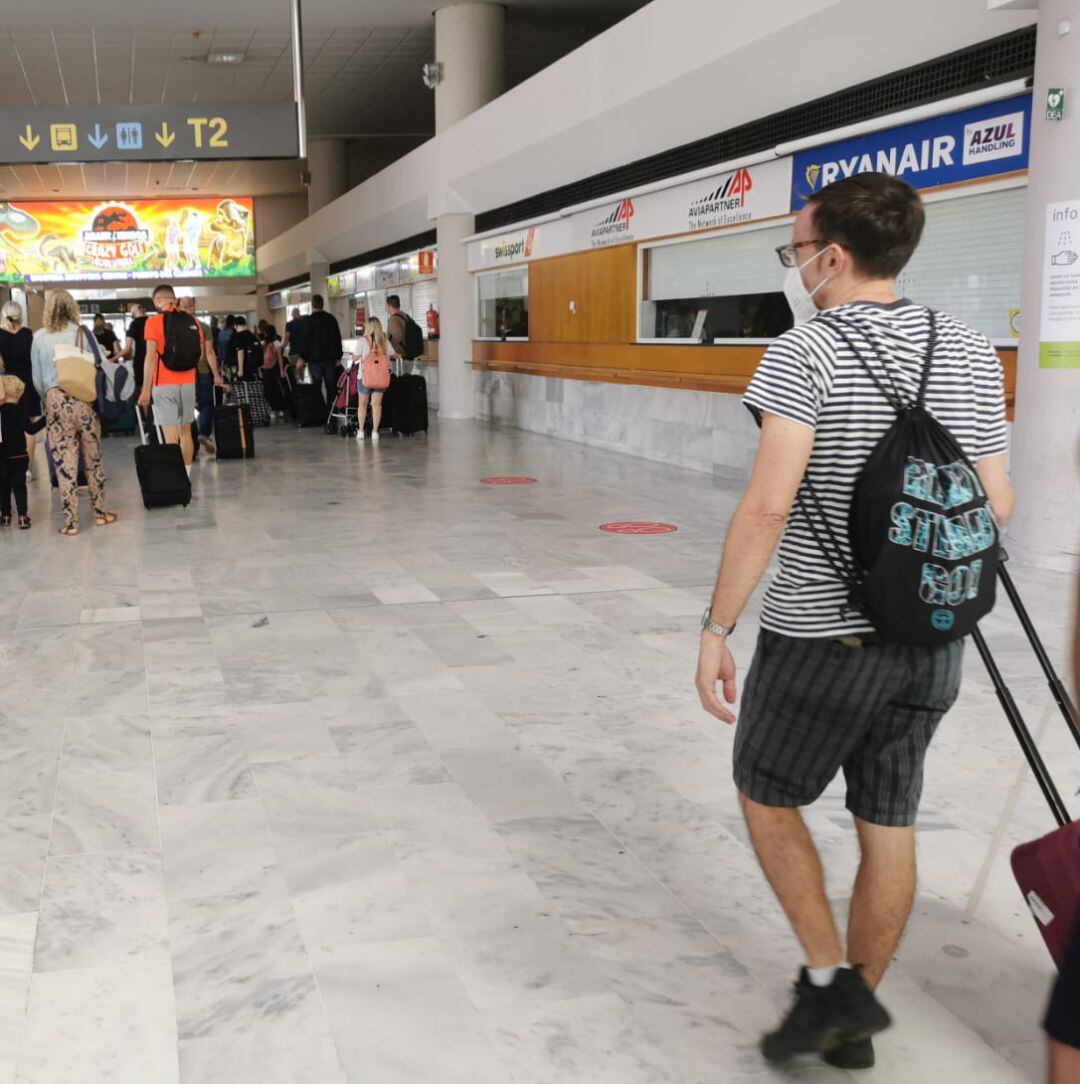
(811, 376)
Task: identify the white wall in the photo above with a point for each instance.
(699, 430)
(675, 71)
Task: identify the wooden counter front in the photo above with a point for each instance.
(699, 368)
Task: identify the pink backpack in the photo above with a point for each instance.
(375, 371)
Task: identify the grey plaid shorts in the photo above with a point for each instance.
(811, 708)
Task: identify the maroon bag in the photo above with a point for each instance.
(1047, 869)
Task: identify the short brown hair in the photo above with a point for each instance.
(876, 217)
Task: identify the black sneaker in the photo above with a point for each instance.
(858, 1055)
(826, 1017)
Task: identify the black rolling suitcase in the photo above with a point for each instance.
(277, 390)
(308, 406)
(234, 434)
(409, 409)
(162, 475)
(1046, 869)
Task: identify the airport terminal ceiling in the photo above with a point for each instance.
(362, 65)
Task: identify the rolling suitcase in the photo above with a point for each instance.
(277, 390)
(163, 478)
(308, 406)
(410, 408)
(234, 435)
(1046, 869)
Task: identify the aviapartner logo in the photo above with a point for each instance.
(725, 204)
(616, 223)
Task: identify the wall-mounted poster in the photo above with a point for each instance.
(119, 240)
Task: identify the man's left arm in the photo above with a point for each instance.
(783, 453)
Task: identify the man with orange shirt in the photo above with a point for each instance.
(174, 345)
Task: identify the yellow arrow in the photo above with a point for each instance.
(29, 141)
(165, 137)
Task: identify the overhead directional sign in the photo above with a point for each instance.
(147, 133)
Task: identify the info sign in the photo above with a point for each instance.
(45, 134)
(1059, 334)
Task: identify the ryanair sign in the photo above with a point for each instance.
(979, 142)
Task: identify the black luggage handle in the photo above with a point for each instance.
(1012, 711)
(1057, 686)
(1023, 735)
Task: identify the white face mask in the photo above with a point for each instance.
(799, 298)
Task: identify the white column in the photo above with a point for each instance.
(319, 271)
(456, 378)
(328, 168)
(1046, 432)
(470, 44)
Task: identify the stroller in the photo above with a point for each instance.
(344, 410)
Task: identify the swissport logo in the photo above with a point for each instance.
(724, 204)
(616, 225)
(519, 248)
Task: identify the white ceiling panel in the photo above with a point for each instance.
(361, 62)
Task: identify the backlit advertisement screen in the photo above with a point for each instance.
(126, 240)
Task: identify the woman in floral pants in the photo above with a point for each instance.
(70, 423)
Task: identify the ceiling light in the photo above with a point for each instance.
(224, 58)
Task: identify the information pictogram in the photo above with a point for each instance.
(64, 137)
(638, 527)
(129, 136)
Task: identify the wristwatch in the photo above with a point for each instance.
(709, 625)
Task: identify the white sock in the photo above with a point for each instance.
(823, 976)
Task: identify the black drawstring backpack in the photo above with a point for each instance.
(923, 534)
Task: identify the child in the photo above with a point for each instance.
(14, 425)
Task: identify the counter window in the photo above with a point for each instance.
(727, 286)
(503, 304)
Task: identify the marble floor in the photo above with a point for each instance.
(358, 770)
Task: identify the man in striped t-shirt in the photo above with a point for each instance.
(823, 694)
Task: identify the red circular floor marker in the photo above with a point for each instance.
(638, 527)
(508, 480)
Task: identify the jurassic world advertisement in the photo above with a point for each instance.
(120, 240)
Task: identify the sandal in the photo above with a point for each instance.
(5, 521)
(70, 531)
(106, 518)
(24, 523)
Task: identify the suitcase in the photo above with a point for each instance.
(162, 476)
(251, 392)
(309, 407)
(277, 390)
(80, 477)
(1047, 869)
(233, 432)
(409, 409)
(150, 434)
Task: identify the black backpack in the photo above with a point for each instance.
(923, 534)
(414, 337)
(183, 343)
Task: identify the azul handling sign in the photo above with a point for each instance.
(979, 142)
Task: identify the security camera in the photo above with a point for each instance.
(432, 75)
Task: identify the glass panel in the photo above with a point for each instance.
(503, 304)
